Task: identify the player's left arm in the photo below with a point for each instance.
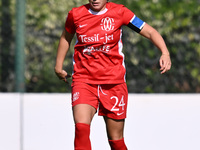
(153, 35)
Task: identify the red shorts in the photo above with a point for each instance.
(111, 99)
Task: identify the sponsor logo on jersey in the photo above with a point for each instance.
(107, 24)
(85, 38)
(95, 38)
(90, 49)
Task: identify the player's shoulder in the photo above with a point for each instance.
(80, 10)
(119, 8)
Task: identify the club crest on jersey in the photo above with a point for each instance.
(107, 24)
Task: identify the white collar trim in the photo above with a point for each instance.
(98, 12)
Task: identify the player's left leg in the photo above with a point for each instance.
(115, 133)
(113, 104)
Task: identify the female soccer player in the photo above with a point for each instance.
(99, 70)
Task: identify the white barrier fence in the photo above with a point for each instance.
(44, 122)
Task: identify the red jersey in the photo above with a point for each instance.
(98, 57)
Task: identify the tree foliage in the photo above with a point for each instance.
(177, 21)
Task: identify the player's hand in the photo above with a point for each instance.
(63, 75)
(165, 63)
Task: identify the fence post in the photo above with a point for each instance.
(19, 47)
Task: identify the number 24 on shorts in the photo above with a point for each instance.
(121, 103)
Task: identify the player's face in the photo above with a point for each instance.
(97, 5)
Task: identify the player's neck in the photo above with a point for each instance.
(98, 12)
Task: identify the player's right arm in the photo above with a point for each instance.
(62, 50)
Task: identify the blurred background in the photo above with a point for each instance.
(176, 20)
(35, 106)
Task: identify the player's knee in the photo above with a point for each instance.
(115, 136)
(83, 113)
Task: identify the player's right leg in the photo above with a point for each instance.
(83, 114)
(84, 104)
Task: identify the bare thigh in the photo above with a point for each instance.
(83, 113)
(115, 128)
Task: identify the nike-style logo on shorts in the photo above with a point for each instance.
(119, 114)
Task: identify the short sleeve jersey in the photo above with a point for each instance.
(98, 57)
